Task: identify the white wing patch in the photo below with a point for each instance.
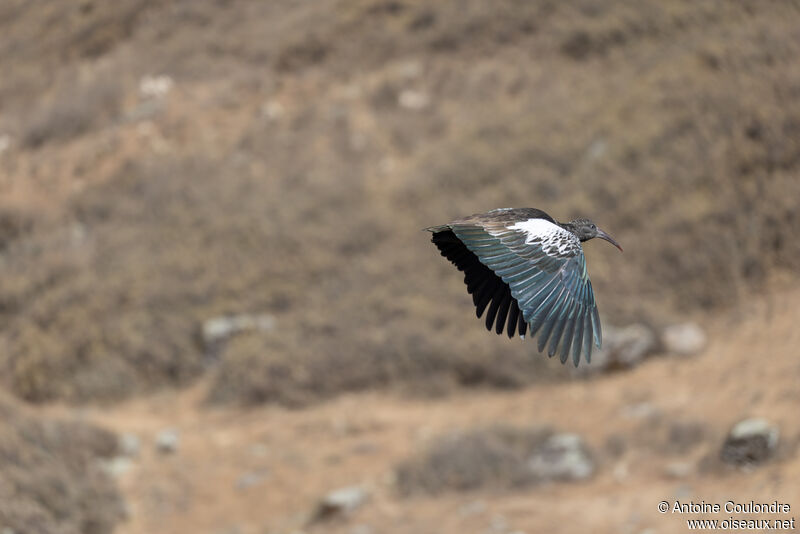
(554, 240)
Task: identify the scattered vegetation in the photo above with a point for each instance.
(14, 223)
(298, 188)
(52, 481)
(494, 456)
(74, 110)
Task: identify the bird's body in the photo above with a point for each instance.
(530, 272)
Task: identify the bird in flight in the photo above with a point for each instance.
(529, 271)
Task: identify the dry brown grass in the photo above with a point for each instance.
(37, 51)
(657, 431)
(674, 125)
(74, 110)
(491, 457)
(52, 482)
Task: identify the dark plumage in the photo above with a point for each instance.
(527, 272)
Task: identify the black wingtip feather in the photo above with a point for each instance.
(497, 298)
(513, 315)
(502, 312)
(522, 327)
(484, 299)
(487, 289)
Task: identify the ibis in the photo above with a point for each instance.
(528, 273)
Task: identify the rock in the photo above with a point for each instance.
(640, 410)
(684, 339)
(155, 86)
(340, 502)
(597, 149)
(632, 344)
(253, 478)
(750, 441)
(365, 447)
(413, 100)
(498, 524)
(259, 449)
(472, 508)
(5, 142)
(219, 329)
(272, 110)
(623, 348)
(117, 466)
(167, 441)
(129, 444)
(77, 234)
(678, 469)
(562, 457)
(621, 472)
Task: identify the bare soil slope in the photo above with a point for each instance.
(301, 146)
(262, 470)
(165, 162)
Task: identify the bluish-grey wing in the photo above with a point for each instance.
(553, 292)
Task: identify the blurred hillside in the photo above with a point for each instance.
(170, 162)
(164, 163)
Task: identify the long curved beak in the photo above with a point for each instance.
(602, 235)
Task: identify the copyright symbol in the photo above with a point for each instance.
(663, 507)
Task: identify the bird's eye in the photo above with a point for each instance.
(593, 227)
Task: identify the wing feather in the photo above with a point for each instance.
(513, 318)
(551, 320)
(577, 338)
(496, 300)
(546, 278)
(502, 312)
(569, 332)
(528, 275)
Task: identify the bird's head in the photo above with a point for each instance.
(586, 230)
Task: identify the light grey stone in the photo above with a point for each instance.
(678, 469)
(413, 100)
(472, 508)
(252, 478)
(273, 110)
(129, 444)
(5, 142)
(750, 441)
(684, 339)
(640, 410)
(562, 457)
(167, 441)
(155, 86)
(117, 466)
(219, 329)
(340, 502)
(623, 348)
(498, 524)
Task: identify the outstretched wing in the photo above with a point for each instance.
(489, 292)
(544, 269)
